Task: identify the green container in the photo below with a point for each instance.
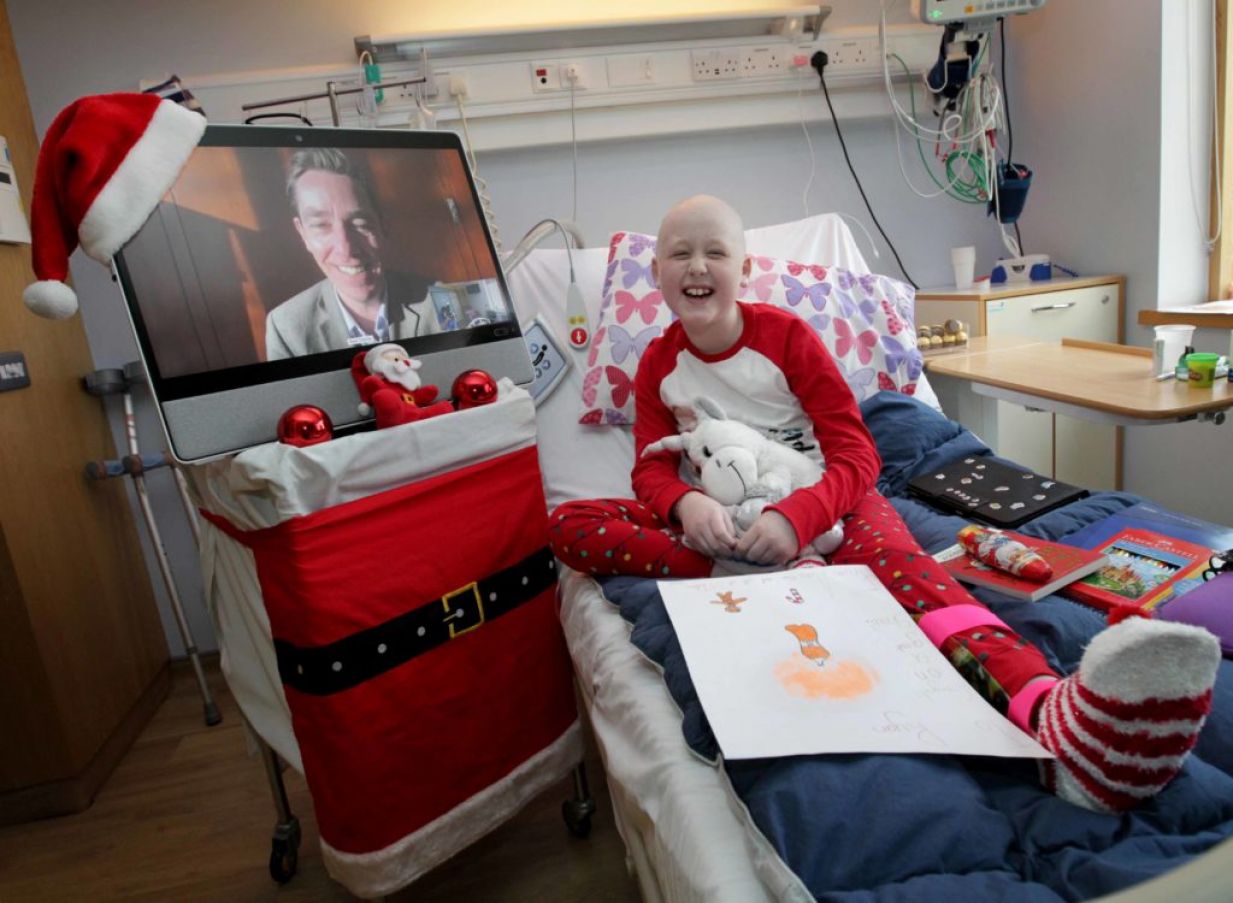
(1202, 368)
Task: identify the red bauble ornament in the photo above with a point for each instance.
(305, 424)
(474, 388)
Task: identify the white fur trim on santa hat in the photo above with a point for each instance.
(146, 173)
(50, 298)
(364, 410)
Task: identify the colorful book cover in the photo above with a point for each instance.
(1153, 519)
(1145, 569)
(1068, 563)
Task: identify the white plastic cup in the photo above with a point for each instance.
(964, 262)
(1168, 345)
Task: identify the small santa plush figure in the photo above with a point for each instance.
(390, 388)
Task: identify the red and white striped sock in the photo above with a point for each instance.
(1122, 725)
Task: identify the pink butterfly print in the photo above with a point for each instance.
(816, 271)
(909, 389)
(864, 342)
(622, 385)
(597, 342)
(646, 307)
(762, 286)
(623, 343)
(589, 384)
(612, 245)
(639, 244)
(763, 263)
(893, 324)
(632, 271)
(592, 418)
(816, 293)
(885, 383)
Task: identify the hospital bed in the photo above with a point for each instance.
(695, 830)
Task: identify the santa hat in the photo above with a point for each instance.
(103, 167)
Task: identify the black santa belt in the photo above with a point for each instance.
(338, 666)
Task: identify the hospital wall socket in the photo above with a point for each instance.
(516, 99)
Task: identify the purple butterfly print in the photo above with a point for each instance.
(638, 244)
(868, 307)
(862, 382)
(623, 343)
(868, 283)
(632, 271)
(847, 306)
(819, 322)
(797, 291)
(845, 279)
(897, 356)
(609, 273)
(613, 417)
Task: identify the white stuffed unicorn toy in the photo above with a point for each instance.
(739, 467)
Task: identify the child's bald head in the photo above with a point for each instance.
(702, 211)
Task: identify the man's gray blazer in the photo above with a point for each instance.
(311, 321)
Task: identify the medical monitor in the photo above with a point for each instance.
(281, 252)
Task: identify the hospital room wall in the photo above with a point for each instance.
(621, 184)
(1113, 190)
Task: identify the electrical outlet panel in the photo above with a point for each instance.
(853, 53)
(721, 63)
(628, 70)
(759, 61)
(546, 77)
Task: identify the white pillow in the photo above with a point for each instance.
(595, 462)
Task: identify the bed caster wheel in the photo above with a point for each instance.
(285, 851)
(577, 815)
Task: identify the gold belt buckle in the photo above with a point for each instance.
(468, 592)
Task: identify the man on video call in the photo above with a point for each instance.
(360, 301)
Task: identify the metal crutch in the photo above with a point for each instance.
(115, 381)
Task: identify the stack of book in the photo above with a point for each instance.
(1068, 563)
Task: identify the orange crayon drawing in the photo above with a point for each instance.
(807, 635)
(805, 675)
(729, 602)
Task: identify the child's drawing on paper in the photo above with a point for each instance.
(729, 601)
(810, 672)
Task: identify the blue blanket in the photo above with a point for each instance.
(892, 828)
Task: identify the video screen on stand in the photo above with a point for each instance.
(280, 252)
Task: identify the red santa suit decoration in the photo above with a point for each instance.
(390, 388)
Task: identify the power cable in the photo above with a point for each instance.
(819, 61)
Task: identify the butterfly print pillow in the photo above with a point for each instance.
(865, 321)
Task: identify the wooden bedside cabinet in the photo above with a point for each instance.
(1091, 308)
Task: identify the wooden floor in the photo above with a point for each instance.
(188, 816)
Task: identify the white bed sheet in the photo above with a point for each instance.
(688, 835)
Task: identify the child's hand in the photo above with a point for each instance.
(771, 540)
(707, 525)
